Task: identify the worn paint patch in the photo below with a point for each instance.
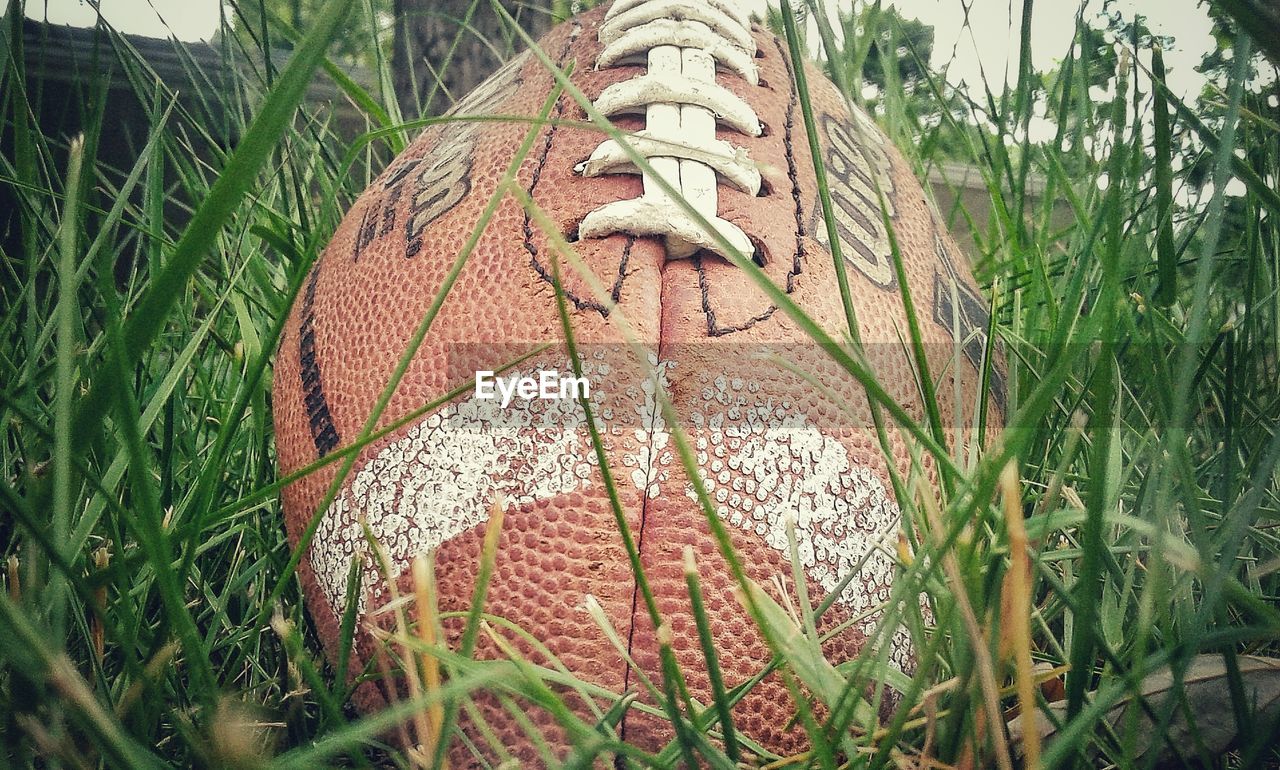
(649, 465)
(760, 459)
(440, 479)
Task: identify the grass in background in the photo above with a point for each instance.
(1123, 525)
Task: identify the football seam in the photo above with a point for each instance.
(713, 328)
(546, 275)
(654, 419)
(797, 264)
(793, 170)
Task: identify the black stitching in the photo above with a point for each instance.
(616, 292)
(793, 173)
(580, 303)
(714, 329)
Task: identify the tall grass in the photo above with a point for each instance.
(1122, 524)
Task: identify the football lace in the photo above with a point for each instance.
(681, 42)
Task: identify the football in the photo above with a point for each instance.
(673, 335)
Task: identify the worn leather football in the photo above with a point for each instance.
(778, 429)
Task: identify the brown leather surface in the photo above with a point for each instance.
(378, 276)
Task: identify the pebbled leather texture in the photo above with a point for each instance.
(768, 442)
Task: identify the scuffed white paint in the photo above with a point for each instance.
(440, 479)
(761, 461)
(649, 464)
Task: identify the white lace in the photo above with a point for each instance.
(683, 41)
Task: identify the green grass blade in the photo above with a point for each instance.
(224, 197)
(67, 384)
(1166, 256)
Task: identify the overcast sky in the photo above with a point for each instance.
(989, 42)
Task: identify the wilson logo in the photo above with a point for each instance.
(855, 170)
